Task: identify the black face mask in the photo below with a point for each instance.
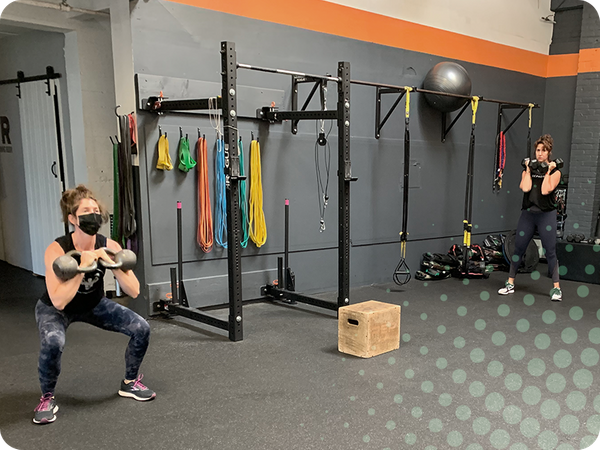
(90, 223)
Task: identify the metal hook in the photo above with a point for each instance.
(116, 108)
(111, 140)
(198, 133)
(252, 135)
(180, 133)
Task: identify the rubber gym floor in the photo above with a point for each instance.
(474, 371)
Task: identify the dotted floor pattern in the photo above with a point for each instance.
(525, 382)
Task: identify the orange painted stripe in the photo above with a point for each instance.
(589, 60)
(371, 27)
(562, 65)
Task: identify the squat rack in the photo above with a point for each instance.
(228, 105)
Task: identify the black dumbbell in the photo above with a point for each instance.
(559, 165)
(124, 260)
(66, 266)
(533, 164)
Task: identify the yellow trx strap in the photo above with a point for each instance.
(474, 105)
(257, 224)
(164, 159)
(531, 105)
(407, 104)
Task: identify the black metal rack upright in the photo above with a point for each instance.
(228, 105)
(342, 115)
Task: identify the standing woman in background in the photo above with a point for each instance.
(82, 299)
(538, 211)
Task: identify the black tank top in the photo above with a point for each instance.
(91, 289)
(534, 197)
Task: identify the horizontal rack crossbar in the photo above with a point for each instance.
(287, 72)
(284, 294)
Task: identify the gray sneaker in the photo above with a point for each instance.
(136, 390)
(556, 295)
(507, 289)
(45, 412)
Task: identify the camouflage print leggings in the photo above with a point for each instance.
(108, 315)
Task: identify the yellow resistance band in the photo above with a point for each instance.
(531, 105)
(164, 159)
(257, 225)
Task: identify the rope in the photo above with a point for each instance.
(204, 235)
(323, 189)
(221, 203)
(527, 155)
(164, 159)
(185, 159)
(243, 196)
(257, 224)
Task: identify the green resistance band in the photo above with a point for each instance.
(243, 199)
(185, 159)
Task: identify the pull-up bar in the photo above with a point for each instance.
(447, 94)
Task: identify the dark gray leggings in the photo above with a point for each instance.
(546, 226)
(108, 315)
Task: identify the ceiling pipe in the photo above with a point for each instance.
(64, 7)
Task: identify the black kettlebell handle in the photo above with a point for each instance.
(88, 269)
(112, 254)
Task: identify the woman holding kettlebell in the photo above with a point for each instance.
(538, 211)
(81, 299)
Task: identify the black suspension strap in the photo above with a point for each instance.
(467, 225)
(402, 273)
(528, 154)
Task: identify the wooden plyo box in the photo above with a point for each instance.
(369, 328)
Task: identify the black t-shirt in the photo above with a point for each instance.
(534, 198)
(91, 289)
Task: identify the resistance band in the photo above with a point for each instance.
(221, 203)
(501, 160)
(164, 159)
(204, 235)
(127, 224)
(185, 159)
(469, 190)
(257, 224)
(243, 196)
(115, 225)
(402, 272)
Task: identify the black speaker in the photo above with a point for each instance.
(580, 260)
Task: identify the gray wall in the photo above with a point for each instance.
(174, 40)
(560, 91)
(584, 180)
(29, 52)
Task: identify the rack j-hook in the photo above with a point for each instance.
(116, 109)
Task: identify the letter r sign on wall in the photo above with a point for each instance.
(5, 144)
